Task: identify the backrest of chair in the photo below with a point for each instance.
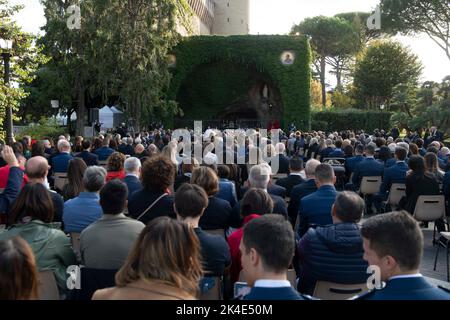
(334, 291)
(60, 180)
(215, 293)
(370, 185)
(397, 192)
(217, 232)
(429, 208)
(47, 287)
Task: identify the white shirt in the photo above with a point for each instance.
(265, 283)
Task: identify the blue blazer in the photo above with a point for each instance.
(283, 293)
(407, 289)
(133, 185)
(297, 194)
(351, 163)
(89, 158)
(394, 174)
(369, 167)
(103, 153)
(60, 163)
(227, 191)
(388, 163)
(315, 209)
(337, 153)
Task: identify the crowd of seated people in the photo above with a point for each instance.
(165, 226)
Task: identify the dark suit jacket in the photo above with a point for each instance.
(133, 184)
(407, 289)
(297, 194)
(271, 189)
(284, 293)
(315, 209)
(394, 174)
(142, 199)
(91, 159)
(351, 163)
(103, 153)
(60, 163)
(369, 167)
(418, 186)
(126, 149)
(289, 183)
(217, 215)
(283, 163)
(337, 153)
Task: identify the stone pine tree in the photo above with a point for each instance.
(330, 37)
(431, 17)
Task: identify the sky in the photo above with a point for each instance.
(278, 16)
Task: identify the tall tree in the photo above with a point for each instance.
(383, 66)
(131, 45)
(417, 16)
(25, 57)
(330, 37)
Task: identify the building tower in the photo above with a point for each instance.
(231, 17)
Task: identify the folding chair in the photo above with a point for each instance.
(369, 186)
(444, 241)
(47, 287)
(325, 290)
(396, 193)
(430, 209)
(60, 180)
(75, 239)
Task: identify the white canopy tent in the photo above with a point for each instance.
(110, 117)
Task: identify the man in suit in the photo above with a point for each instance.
(132, 168)
(294, 178)
(302, 190)
(329, 149)
(337, 153)
(266, 249)
(283, 161)
(435, 135)
(259, 178)
(91, 159)
(351, 163)
(394, 243)
(127, 146)
(315, 209)
(105, 151)
(394, 174)
(60, 162)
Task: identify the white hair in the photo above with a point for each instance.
(132, 165)
(259, 176)
(280, 147)
(310, 168)
(63, 145)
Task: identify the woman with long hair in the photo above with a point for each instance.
(18, 272)
(432, 167)
(31, 217)
(75, 173)
(165, 264)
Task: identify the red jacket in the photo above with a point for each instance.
(4, 174)
(111, 175)
(234, 240)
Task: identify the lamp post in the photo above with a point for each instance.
(6, 46)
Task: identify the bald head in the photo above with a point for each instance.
(36, 168)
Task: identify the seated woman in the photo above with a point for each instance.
(418, 183)
(32, 214)
(218, 214)
(256, 202)
(75, 173)
(165, 264)
(18, 272)
(335, 252)
(115, 167)
(432, 167)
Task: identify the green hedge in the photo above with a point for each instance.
(351, 120)
(253, 52)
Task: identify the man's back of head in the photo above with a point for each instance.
(310, 168)
(94, 179)
(400, 153)
(267, 247)
(369, 150)
(132, 165)
(191, 201)
(325, 174)
(348, 207)
(259, 176)
(86, 144)
(296, 164)
(63, 145)
(113, 197)
(36, 168)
